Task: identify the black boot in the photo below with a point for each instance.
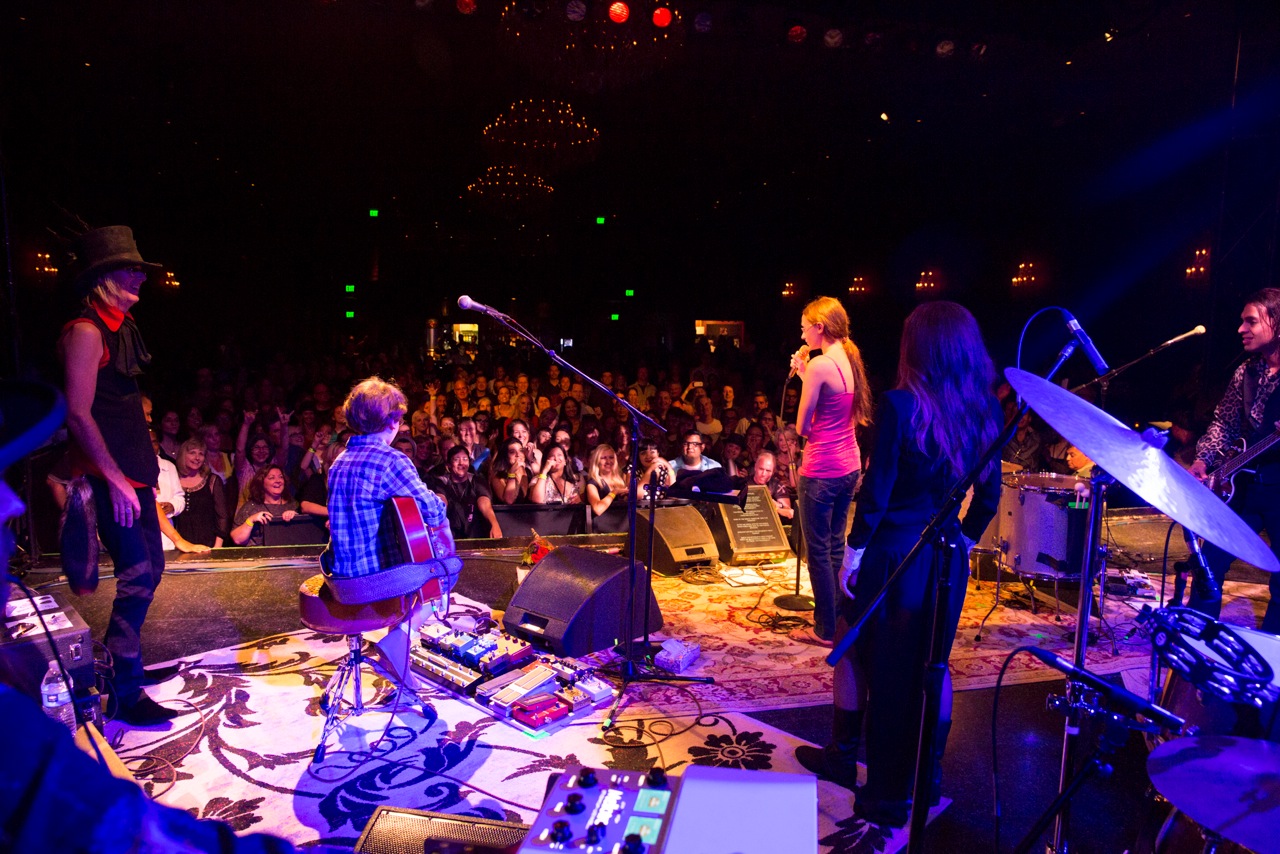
(939, 747)
(837, 762)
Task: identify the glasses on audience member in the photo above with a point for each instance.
(693, 444)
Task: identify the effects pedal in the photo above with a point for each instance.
(599, 810)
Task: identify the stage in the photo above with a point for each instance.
(256, 675)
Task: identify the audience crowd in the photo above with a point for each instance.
(246, 449)
(240, 448)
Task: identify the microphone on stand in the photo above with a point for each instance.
(1123, 699)
(467, 303)
(1199, 330)
(1086, 343)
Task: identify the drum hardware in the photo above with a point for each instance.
(1087, 697)
(1139, 462)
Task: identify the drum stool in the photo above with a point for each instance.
(323, 613)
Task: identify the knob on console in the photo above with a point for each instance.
(633, 844)
(562, 832)
(587, 778)
(595, 834)
(574, 804)
(657, 777)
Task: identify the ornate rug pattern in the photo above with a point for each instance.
(246, 761)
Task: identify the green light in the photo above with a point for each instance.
(629, 292)
(599, 220)
(613, 317)
(373, 212)
(350, 314)
(351, 289)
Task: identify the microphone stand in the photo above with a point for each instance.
(630, 669)
(1103, 381)
(795, 601)
(936, 607)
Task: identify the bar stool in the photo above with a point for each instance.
(321, 611)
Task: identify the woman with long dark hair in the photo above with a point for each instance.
(930, 429)
(834, 400)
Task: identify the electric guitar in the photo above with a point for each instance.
(1222, 478)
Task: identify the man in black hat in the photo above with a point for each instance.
(103, 354)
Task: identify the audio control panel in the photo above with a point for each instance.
(601, 810)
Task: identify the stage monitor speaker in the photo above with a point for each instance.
(750, 534)
(684, 540)
(574, 602)
(396, 830)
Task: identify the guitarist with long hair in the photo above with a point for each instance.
(1249, 410)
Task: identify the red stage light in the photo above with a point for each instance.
(797, 34)
(661, 16)
(619, 12)
(466, 7)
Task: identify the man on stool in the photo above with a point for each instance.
(361, 480)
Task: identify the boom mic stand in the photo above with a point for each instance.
(935, 606)
(630, 668)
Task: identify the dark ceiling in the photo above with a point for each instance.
(246, 143)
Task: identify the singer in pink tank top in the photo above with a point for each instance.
(833, 402)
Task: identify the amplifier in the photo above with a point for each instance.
(24, 649)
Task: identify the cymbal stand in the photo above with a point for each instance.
(1090, 558)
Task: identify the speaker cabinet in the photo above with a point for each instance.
(749, 534)
(396, 830)
(683, 541)
(574, 602)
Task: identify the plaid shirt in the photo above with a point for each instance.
(363, 477)
(1227, 424)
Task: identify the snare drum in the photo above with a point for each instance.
(1215, 716)
(1032, 538)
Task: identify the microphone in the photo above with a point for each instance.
(791, 375)
(1125, 700)
(1086, 343)
(467, 303)
(1199, 330)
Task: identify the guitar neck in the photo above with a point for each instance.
(1248, 455)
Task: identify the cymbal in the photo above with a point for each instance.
(1144, 468)
(1228, 785)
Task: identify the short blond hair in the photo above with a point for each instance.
(374, 405)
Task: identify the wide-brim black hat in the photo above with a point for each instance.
(29, 414)
(103, 250)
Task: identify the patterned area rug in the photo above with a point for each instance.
(756, 668)
(246, 762)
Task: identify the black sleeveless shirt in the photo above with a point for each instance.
(117, 401)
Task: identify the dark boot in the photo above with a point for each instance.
(837, 762)
(939, 747)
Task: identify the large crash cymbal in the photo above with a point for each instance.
(1228, 785)
(1144, 468)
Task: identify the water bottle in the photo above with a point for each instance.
(56, 697)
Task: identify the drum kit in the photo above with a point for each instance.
(1220, 770)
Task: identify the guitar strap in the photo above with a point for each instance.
(1248, 393)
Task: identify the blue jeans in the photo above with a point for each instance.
(824, 519)
(139, 563)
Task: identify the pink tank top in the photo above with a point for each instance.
(832, 449)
